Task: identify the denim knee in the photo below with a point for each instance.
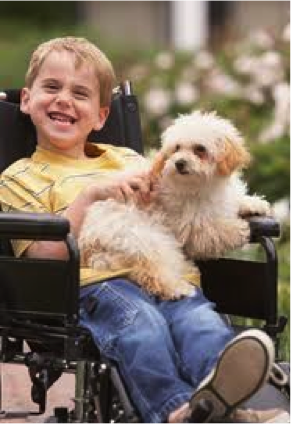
(106, 314)
(199, 334)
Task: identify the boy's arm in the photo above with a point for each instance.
(129, 188)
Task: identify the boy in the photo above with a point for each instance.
(170, 353)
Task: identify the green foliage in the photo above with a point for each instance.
(44, 14)
(270, 169)
(19, 38)
(16, 48)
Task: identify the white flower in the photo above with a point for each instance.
(281, 120)
(281, 210)
(269, 69)
(224, 84)
(245, 64)
(253, 94)
(157, 101)
(204, 60)
(165, 60)
(286, 34)
(273, 132)
(262, 39)
(281, 94)
(186, 93)
(264, 70)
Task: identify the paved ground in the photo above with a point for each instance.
(16, 394)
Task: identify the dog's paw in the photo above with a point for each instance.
(254, 206)
(243, 232)
(235, 235)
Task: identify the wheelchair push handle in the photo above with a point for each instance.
(263, 227)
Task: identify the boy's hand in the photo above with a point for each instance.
(125, 188)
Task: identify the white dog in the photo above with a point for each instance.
(199, 188)
(116, 236)
(199, 205)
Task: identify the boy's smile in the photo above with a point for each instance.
(62, 118)
(64, 105)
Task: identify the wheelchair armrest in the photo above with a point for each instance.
(261, 226)
(36, 226)
(20, 296)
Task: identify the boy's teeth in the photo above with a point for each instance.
(61, 118)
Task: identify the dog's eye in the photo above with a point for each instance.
(177, 147)
(199, 150)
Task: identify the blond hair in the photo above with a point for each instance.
(84, 52)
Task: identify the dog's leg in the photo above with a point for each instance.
(254, 205)
(217, 238)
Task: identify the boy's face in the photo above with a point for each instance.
(64, 105)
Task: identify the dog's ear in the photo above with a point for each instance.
(235, 156)
(158, 165)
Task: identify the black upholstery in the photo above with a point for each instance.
(17, 135)
(39, 298)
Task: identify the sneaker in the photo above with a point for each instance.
(266, 416)
(241, 370)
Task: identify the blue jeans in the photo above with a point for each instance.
(163, 348)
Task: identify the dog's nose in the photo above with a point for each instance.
(181, 166)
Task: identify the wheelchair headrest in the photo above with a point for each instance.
(18, 136)
(12, 95)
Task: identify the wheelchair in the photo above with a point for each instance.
(46, 320)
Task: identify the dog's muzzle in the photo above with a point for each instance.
(181, 166)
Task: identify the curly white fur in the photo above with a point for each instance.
(117, 236)
(200, 191)
(200, 200)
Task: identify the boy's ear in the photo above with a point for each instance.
(102, 116)
(24, 100)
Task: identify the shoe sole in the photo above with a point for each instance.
(235, 380)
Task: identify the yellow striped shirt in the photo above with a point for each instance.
(48, 182)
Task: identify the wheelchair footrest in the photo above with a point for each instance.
(43, 373)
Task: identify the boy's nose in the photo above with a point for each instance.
(63, 97)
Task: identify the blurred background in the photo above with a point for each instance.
(230, 56)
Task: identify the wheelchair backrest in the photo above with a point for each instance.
(17, 133)
(58, 297)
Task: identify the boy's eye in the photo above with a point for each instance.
(81, 95)
(51, 87)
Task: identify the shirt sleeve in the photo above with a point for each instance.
(17, 196)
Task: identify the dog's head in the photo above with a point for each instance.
(200, 146)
